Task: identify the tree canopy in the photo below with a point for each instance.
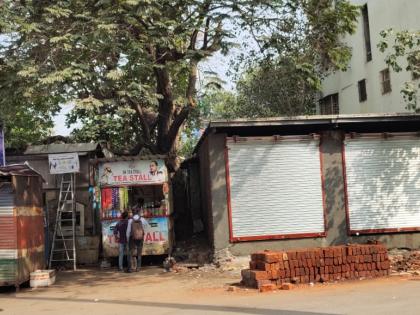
(131, 66)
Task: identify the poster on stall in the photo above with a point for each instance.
(156, 237)
(132, 172)
(2, 155)
(64, 163)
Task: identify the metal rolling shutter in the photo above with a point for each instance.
(383, 183)
(275, 189)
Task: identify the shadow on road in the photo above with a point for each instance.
(197, 307)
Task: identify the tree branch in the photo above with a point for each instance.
(144, 125)
(176, 124)
(192, 81)
(206, 34)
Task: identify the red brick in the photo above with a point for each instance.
(285, 257)
(267, 287)
(275, 266)
(259, 275)
(287, 273)
(385, 265)
(260, 265)
(286, 264)
(287, 286)
(280, 264)
(256, 256)
(282, 274)
(271, 257)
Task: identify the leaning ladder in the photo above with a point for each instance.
(63, 247)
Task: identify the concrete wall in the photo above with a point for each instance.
(331, 144)
(383, 14)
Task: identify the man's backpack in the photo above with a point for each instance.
(137, 231)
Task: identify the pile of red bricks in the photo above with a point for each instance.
(272, 269)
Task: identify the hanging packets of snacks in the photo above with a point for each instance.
(114, 201)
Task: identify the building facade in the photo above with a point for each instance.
(311, 182)
(369, 86)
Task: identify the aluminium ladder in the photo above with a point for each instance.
(63, 247)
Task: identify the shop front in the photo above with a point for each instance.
(134, 185)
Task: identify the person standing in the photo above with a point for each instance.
(135, 235)
(120, 233)
(138, 208)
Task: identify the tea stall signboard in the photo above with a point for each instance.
(156, 237)
(137, 172)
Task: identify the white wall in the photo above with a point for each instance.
(383, 14)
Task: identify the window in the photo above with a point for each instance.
(385, 81)
(366, 32)
(329, 105)
(362, 90)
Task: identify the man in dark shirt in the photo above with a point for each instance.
(120, 233)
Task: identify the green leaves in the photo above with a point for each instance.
(130, 66)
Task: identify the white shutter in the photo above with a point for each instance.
(383, 183)
(275, 189)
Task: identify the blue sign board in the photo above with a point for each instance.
(2, 155)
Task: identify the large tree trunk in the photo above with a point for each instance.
(165, 111)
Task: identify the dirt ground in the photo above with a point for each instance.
(153, 291)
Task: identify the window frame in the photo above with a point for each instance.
(361, 85)
(329, 105)
(385, 79)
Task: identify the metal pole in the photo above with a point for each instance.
(73, 175)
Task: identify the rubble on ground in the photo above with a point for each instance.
(195, 256)
(404, 260)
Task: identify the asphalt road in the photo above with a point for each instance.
(153, 292)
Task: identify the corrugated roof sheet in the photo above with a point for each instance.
(18, 170)
(56, 148)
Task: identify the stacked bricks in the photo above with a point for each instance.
(271, 269)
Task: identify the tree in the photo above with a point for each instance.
(136, 62)
(403, 47)
(276, 88)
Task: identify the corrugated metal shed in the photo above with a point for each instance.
(21, 224)
(18, 170)
(55, 148)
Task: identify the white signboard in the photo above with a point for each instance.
(64, 163)
(132, 172)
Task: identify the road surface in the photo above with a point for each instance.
(152, 291)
